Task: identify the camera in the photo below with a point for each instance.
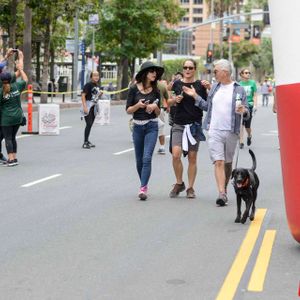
(15, 50)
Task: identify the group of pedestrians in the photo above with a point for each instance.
(225, 103)
(11, 114)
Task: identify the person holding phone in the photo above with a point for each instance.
(11, 110)
(90, 95)
(186, 131)
(143, 102)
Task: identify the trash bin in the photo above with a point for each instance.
(63, 85)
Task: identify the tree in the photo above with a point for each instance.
(263, 60)
(134, 29)
(48, 14)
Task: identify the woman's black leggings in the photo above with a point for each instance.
(89, 120)
(9, 133)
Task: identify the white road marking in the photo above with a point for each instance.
(121, 152)
(41, 180)
(22, 136)
(65, 127)
(131, 149)
(270, 134)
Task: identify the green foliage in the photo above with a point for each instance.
(263, 60)
(242, 52)
(173, 66)
(130, 29)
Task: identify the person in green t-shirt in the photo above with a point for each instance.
(249, 86)
(11, 110)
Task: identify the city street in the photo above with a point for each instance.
(72, 226)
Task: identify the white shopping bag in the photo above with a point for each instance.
(103, 116)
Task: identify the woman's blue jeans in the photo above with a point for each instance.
(144, 139)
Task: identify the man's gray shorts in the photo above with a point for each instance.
(221, 145)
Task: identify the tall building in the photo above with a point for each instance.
(196, 12)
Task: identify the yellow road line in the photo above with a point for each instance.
(235, 274)
(256, 283)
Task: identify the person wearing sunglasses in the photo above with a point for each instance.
(225, 103)
(250, 87)
(186, 132)
(143, 102)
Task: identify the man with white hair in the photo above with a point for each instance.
(225, 104)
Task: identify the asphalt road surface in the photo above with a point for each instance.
(72, 227)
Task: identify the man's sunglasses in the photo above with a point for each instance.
(188, 68)
(246, 72)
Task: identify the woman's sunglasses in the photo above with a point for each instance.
(188, 68)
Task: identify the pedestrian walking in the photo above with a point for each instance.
(186, 131)
(250, 87)
(172, 108)
(143, 102)
(90, 95)
(11, 110)
(164, 96)
(265, 87)
(225, 103)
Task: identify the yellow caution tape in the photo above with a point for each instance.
(79, 92)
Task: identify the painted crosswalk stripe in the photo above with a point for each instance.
(41, 180)
(256, 283)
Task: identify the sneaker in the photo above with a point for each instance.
(177, 188)
(3, 159)
(86, 145)
(161, 151)
(143, 193)
(16, 162)
(241, 145)
(190, 193)
(91, 145)
(249, 140)
(222, 200)
(10, 163)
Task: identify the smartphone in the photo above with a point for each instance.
(145, 101)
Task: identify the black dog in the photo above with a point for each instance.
(245, 182)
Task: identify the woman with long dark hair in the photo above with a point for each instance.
(11, 110)
(90, 95)
(144, 103)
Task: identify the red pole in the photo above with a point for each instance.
(285, 24)
(29, 108)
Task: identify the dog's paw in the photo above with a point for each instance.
(243, 220)
(237, 220)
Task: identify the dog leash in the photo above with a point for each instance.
(238, 144)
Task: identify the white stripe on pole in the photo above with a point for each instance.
(284, 16)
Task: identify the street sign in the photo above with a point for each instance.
(70, 46)
(258, 16)
(93, 19)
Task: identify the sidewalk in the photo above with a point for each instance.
(58, 99)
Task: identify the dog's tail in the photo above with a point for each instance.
(253, 159)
